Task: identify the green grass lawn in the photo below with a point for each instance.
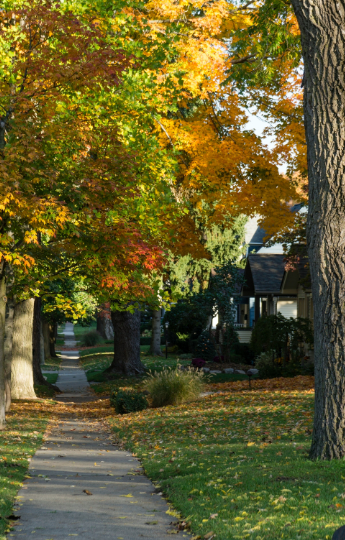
(80, 330)
(43, 391)
(236, 463)
(51, 364)
(26, 424)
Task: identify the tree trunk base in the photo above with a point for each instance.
(126, 343)
(129, 372)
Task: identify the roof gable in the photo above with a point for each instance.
(264, 273)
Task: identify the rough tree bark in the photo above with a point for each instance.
(22, 378)
(36, 347)
(104, 324)
(126, 343)
(2, 347)
(46, 339)
(8, 349)
(322, 26)
(155, 347)
(42, 353)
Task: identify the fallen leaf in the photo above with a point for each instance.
(87, 492)
(209, 535)
(213, 516)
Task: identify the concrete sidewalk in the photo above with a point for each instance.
(83, 486)
(72, 380)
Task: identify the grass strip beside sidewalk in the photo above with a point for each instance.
(26, 425)
(236, 463)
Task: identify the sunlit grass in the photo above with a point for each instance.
(237, 463)
(26, 424)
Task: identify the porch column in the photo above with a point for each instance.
(257, 308)
(275, 300)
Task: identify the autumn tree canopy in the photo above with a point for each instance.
(123, 133)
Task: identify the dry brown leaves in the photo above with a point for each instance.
(283, 384)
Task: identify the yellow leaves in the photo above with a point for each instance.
(251, 444)
(30, 237)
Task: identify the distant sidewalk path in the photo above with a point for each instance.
(72, 380)
(81, 484)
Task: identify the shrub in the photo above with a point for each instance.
(183, 342)
(285, 336)
(91, 338)
(230, 341)
(147, 341)
(245, 351)
(198, 362)
(237, 359)
(172, 386)
(127, 401)
(205, 347)
(268, 365)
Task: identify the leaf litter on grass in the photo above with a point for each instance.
(238, 460)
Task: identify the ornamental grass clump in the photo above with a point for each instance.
(174, 386)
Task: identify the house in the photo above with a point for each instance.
(269, 288)
(296, 282)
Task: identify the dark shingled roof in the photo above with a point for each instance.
(264, 273)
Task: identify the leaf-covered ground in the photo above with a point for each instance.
(236, 463)
(26, 424)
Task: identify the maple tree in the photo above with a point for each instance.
(128, 144)
(55, 195)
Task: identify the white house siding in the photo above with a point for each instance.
(288, 308)
(244, 336)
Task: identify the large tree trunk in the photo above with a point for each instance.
(322, 25)
(22, 378)
(2, 348)
(155, 347)
(104, 325)
(8, 350)
(126, 343)
(42, 353)
(46, 339)
(52, 327)
(36, 347)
